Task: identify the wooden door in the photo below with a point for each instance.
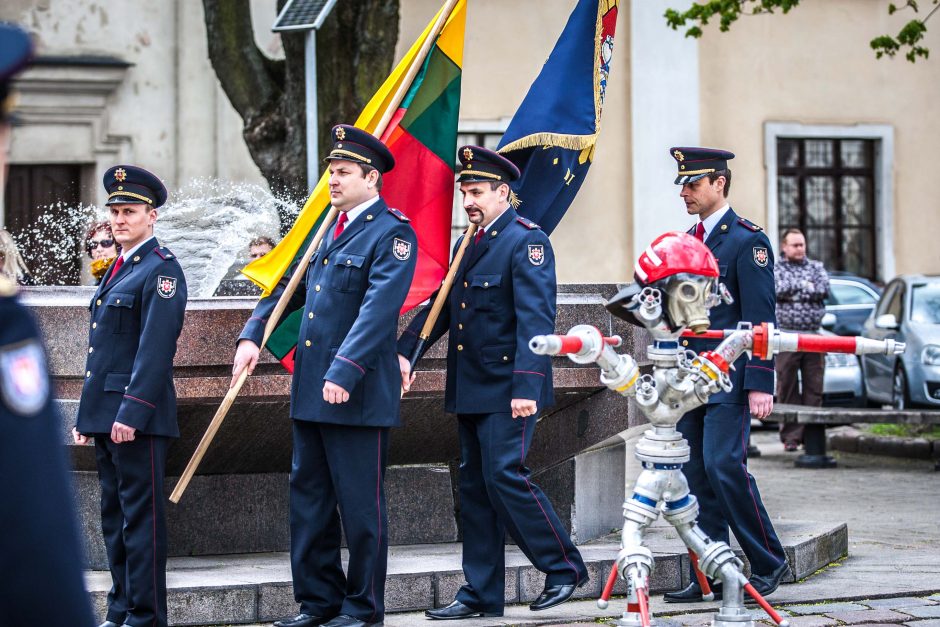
(39, 211)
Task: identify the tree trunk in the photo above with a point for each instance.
(355, 49)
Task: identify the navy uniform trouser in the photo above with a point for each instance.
(339, 466)
(133, 522)
(727, 493)
(497, 495)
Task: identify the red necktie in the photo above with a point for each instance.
(700, 232)
(340, 224)
(117, 266)
(478, 237)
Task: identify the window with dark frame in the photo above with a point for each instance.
(826, 188)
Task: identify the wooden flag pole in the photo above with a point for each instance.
(301, 269)
(441, 298)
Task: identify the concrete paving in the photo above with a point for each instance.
(891, 575)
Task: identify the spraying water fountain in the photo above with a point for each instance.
(207, 224)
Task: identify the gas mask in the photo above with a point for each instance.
(689, 297)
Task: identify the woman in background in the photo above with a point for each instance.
(12, 265)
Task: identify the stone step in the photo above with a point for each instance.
(248, 588)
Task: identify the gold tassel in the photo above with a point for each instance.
(514, 200)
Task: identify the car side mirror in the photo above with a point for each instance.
(828, 321)
(887, 321)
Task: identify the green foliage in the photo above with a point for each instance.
(908, 40)
(930, 432)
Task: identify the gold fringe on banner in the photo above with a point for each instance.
(571, 142)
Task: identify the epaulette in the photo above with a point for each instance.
(527, 223)
(749, 225)
(7, 287)
(398, 214)
(163, 252)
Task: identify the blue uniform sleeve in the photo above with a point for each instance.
(533, 280)
(409, 337)
(160, 325)
(254, 328)
(758, 304)
(389, 282)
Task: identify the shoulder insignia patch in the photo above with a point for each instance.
(24, 386)
(749, 225)
(166, 286)
(761, 256)
(527, 223)
(398, 214)
(401, 249)
(536, 254)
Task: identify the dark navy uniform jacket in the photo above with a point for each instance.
(503, 295)
(351, 298)
(136, 319)
(40, 555)
(745, 260)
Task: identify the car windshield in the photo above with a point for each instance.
(925, 303)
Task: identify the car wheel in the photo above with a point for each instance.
(900, 400)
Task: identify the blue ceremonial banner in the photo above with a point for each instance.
(551, 137)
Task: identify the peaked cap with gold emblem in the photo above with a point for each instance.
(481, 164)
(128, 184)
(694, 163)
(356, 145)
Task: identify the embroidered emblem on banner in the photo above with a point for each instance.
(536, 254)
(23, 381)
(166, 286)
(401, 249)
(761, 256)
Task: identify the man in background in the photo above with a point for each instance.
(802, 285)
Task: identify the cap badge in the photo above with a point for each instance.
(467, 154)
(120, 174)
(678, 155)
(340, 133)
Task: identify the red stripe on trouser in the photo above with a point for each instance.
(378, 516)
(153, 527)
(747, 480)
(564, 553)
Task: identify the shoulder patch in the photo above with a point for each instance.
(24, 386)
(166, 286)
(398, 214)
(163, 252)
(527, 223)
(749, 225)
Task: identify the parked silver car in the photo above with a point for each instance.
(909, 311)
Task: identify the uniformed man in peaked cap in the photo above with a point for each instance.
(718, 432)
(41, 575)
(128, 402)
(503, 294)
(346, 389)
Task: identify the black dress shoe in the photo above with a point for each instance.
(109, 623)
(301, 620)
(457, 610)
(344, 620)
(767, 584)
(692, 594)
(552, 596)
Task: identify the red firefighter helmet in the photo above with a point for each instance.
(675, 253)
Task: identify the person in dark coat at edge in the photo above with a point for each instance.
(128, 402)
(40, 555)
(718, 432)
(346, 390)
(503, 295)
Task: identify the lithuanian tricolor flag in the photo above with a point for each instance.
(422, 135)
